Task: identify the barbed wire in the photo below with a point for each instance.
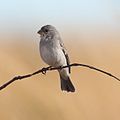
(44, 70)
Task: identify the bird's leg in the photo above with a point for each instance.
(45, 69)
(60, 67)
(49, 68)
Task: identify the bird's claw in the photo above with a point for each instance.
(44, 71)
(60, 67)
(49, 68)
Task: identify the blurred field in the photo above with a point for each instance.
(97, 96)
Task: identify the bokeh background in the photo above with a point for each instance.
(91, 33)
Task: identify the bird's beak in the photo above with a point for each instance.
(40, 32)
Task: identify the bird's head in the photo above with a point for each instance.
(47, 30)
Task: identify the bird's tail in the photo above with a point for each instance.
(66, 84)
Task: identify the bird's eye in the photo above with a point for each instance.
(46, 30)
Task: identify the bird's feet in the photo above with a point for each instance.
(44, 70)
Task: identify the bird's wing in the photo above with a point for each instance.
(66, 55)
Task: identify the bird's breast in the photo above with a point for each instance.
(52, 55)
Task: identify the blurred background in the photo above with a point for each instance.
(90, 30)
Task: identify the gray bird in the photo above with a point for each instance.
(53, 53)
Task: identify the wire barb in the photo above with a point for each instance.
(49, 68)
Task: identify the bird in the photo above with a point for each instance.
(54, 53)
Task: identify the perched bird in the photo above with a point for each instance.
(53, 53)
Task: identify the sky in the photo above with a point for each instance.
(31, 14)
